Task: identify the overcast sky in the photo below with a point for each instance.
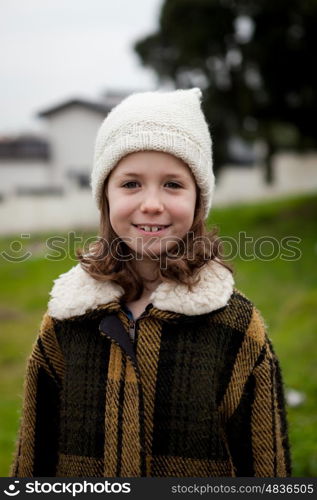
(53, 50)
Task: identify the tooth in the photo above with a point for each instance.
(147, 228)
(155, 228)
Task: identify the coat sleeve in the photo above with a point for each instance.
(257, 431)
(36, 448)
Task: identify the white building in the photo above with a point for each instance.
(71, 130)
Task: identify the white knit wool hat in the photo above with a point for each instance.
(172, 122)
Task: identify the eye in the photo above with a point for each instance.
(130, 184)
(173, 185)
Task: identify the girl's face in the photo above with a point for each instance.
(152, 197)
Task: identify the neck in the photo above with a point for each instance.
(147, 270)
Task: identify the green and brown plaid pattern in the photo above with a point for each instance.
(194, 396)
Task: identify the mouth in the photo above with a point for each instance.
(151, 229)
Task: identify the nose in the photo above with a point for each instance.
(151, 203)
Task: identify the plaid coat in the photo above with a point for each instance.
(197, 393)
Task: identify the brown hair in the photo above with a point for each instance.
(198, 247)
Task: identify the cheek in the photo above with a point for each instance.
(119, 208)
(184, 208)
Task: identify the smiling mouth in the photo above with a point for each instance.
(151, 229)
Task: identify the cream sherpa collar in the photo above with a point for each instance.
(75, 292)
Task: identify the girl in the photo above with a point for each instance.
(148, 361)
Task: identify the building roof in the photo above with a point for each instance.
(99, 107)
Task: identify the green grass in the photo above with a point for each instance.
(285, 291)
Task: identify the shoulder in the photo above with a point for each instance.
(46, 352)
(242, 315)
(75, 292)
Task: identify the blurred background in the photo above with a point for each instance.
(64, 65)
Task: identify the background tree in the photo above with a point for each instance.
(255, 61)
